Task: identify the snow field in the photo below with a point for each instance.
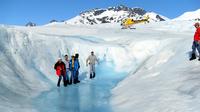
(154, 55)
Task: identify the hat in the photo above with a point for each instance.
(197, 24)
(59, 59)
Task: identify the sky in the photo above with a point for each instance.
(20, 12)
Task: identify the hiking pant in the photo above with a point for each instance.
(68, 74)
(60, 78)
(77, 74)
(92, 68)
(73, 75)
(195, 46)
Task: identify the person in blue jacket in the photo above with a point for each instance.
(77, 66)
(74, 67)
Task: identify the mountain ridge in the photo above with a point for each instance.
(113, 15)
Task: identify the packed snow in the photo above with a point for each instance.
(142, 70)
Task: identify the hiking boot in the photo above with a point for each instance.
(90, 76)
(78, 81)
(70, 82)
(93, 75)
(193, 57)
(74, 81)
(58, 84)
(65, 83)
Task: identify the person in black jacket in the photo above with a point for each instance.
(78, 66)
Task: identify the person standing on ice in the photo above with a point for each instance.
(60, 71)
(196, 42)
(68, 75)
(73, 66)
(91, 60)
(77, 66)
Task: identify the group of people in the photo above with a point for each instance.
(68, 70)
(196, 42)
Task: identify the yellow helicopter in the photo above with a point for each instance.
(128, 22)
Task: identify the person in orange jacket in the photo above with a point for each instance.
(196, 42)
(60, 71)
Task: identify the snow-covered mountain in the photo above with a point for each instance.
(193, 15)
(30, 24)
(114, 15)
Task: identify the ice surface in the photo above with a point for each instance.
(87, 96)
(154, 56)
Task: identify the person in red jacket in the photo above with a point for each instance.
(196, 42)
(60, 71)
